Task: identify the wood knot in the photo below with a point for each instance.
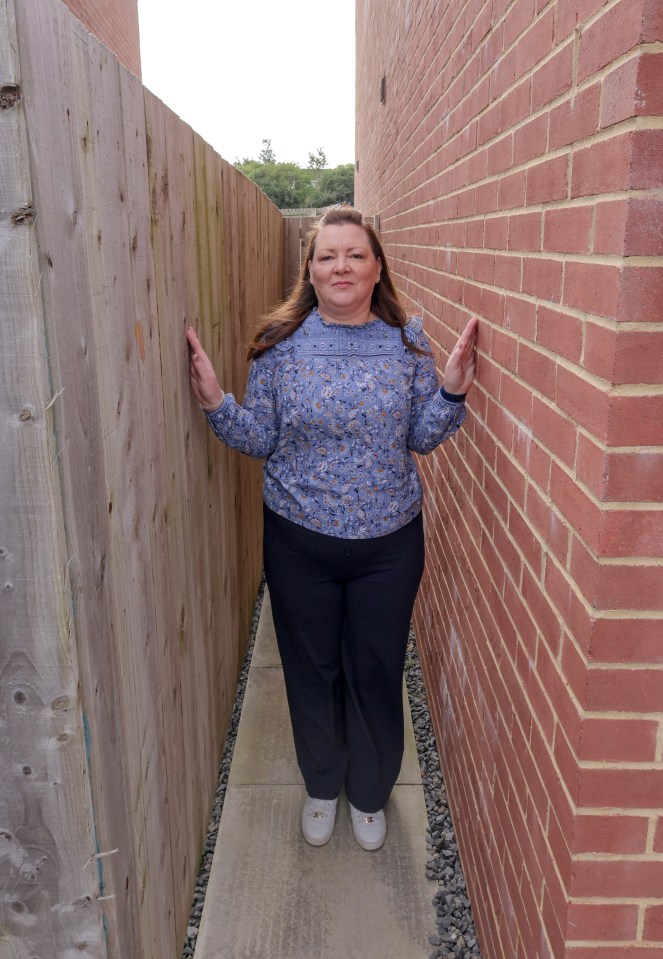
(24, 214)
(61, 703)
(10, 95)
(25, 414)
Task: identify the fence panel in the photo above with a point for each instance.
(134, 534)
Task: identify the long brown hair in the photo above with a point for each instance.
(289, 315)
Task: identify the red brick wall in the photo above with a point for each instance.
(115, 23)
(516, 166)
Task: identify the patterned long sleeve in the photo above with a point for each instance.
(433, 418)
(251, 427)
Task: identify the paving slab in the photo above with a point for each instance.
(265, 648)
(271, 895)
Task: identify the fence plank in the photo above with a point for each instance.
(147, 526)
(48, 903)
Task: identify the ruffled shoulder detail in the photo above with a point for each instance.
(414, 325)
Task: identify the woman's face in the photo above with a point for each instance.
(344, 271)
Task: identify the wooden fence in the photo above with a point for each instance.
(129, 537)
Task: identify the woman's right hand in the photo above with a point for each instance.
(204, 383)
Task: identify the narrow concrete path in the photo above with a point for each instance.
(270, 894)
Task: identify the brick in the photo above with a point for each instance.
(499, 156)
(531, 455)
(574, 668)
(612, 834)
(647, 160)
(634, 477)
(540, 609)
(622, 788)
(640, 294)
(633, 89)
(489, 125)
(492, 306)
(535, 44)
(496, 232)
(545, 519)
(625, 690)
(516, 105)
(508, 270)
(602, 921)
(542, 278)
(631, 533)
(485, 197)
(553, 78)
(502, 74)
(557, 433)
(617, 879)
(531, 140)
(582, 513)
(603, 167)
(605, 40)
(568, 229)
(615, 740)
(610, 221)
(547, 181)
(561, 590)
(653, 928)
(570, 14)
(511, 193)
(592, 287)
(537, 369)
(504, 349)
(625, 951)
(517, 20)
(643, 233)
(626, 640)
(575, 119)
(592, 466)
(559, 332)
(658, 835)
(618, 587)
(520, 316)
(635, 421)
(629, 226)
(652, 22)
(525, 232)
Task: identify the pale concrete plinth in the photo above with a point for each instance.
(270, 894)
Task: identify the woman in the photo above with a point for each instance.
(341, 388)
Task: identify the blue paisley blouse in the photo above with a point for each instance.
(336, 410)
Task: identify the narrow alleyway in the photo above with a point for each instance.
(270, 895)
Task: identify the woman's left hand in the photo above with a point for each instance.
(459, 371)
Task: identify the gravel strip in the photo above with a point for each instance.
(456, 936)
(220, 795)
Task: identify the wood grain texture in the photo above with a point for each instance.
(134, 533)
(48, 898)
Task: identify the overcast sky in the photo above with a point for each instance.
(246, 71)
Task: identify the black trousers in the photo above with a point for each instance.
(342, 611)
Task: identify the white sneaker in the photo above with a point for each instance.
(370, 828)
(318, 818)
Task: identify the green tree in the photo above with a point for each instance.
(286, 184)
(317, 160)
(289, 186)
(334, 186)
(267, 155)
